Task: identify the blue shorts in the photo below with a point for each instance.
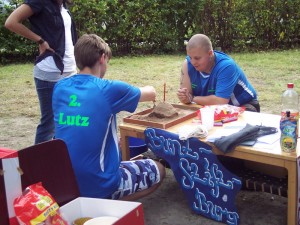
(136, 175)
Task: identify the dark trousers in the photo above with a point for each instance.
(252, 106)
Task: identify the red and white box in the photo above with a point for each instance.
(129, 213)
(10, 185)
(50, 164)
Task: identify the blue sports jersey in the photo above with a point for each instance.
(85, 109)
(226, 80)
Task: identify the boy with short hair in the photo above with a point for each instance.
(85, 107)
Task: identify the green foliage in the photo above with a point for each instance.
(268, 24)
(162, 26)
(13, 48)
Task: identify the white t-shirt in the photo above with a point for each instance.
(48, 63)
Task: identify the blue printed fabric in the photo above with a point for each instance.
(136, 176)
(209, 187)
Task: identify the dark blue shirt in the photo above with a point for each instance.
(47, 22)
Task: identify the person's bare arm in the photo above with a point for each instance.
(15, 24)
(210, 100)
(15, 19)
(185, 81)
(148, 93)
(184, 92)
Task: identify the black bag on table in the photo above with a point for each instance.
(248, 133)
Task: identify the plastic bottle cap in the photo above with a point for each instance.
(290, 85)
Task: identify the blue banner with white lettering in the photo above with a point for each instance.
(209, 187)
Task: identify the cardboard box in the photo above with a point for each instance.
(129, 212)
(49, 163)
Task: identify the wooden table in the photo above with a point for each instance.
(266, 156)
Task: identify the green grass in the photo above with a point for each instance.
(269, 72)
(17, 92)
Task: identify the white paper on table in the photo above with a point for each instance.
(226, 131)
(262, 145)
(268, 121)
(269, 139)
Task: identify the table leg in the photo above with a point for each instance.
(124, 142)
(292, 192)
(124, 146)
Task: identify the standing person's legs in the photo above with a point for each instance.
(44, 83)
(45, 129)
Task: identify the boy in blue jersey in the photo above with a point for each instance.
(210, 77)
(85, 107)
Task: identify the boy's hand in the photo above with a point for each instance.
(184, 96)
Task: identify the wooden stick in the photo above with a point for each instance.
(164, 91)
